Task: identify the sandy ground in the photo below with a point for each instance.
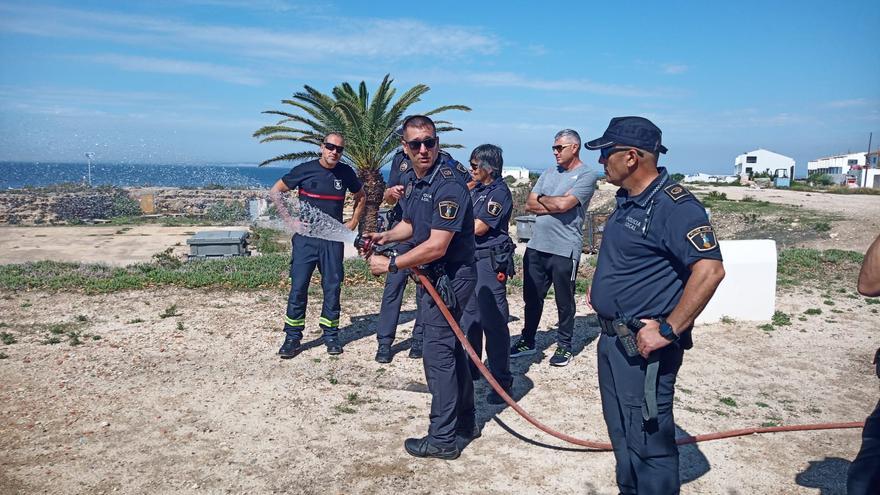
(200, 403)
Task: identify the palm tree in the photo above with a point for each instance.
(369, 128)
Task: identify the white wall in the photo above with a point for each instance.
(837, 164)
(748, 291)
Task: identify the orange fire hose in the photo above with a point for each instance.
(426, 283)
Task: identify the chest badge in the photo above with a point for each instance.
(703, 238)
(494, 208)
(404, 165)
(337, 184)
(448, 209)
(409, 189)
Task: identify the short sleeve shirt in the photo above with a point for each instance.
(648, 246)
(323, 188)
(493, 205)
(440, 200)
(562, 233)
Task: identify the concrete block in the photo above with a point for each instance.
(748, 291)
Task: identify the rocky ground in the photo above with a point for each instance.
(172, 390)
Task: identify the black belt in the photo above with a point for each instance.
(607, 326)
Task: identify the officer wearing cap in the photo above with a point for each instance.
(658, 266)
(438, 220)
(487, 312)
(321, 184)
(395, 283)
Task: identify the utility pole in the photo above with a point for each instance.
(867, 164)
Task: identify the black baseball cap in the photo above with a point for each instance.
(637, 132)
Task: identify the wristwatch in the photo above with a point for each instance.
(667, 332)
(392, 264)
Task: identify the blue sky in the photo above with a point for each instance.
(185, 81)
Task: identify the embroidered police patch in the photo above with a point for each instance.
(445, 172)
(461, 168)
(494, 208)
(409, 188)
(337, 183)
(448, 209)
(404, 165)
(676, 191)
(703, 238)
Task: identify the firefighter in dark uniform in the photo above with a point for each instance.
(487, 311)
(321, 184)
(658, 266)
(438, 220)
(395, 283)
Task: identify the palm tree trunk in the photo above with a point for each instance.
(374, 190)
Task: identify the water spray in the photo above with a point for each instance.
(90, 156)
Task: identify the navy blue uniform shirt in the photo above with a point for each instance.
(441, 200)
(647, 246)
(493, 205)
(323, 188)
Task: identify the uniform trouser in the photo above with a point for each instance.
(389, 312)
(863, 477)
(446, 365)
(540, 270)
(309, 252)
(645, 453)
(487, 312)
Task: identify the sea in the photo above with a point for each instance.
(17, 175)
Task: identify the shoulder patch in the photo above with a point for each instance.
(703, 238)
(448, 209)
(676, 192)
(446, 173)
(493, 207)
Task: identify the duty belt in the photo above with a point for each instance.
(649, 405)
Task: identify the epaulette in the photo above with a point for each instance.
(446, 172)
(677, 192)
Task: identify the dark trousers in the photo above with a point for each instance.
(389, 312)
(645, 452)
(446, 365)
(540, 270)
(863, 477)
(487, 312)
(308, 253)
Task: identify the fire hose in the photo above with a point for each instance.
(426, 283)
(591, 444)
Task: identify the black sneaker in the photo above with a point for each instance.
(333, 347)
(289, 348)
(420, 447)
(383, 355)
(468, 433)
(415, 349)
(561, 357)
(522, 348)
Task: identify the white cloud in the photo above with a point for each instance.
(674, 68)
(356, 37)
(510, 79)
(853, 103)
(225, 73)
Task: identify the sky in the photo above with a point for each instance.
(185, 81)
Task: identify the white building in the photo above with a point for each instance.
(836, 165)
(518, 173)
(701, 177)
(761, 160)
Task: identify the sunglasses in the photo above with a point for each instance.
(334, 147)
(606, 153)
(417, 145)
(559, 147)
(474, 166)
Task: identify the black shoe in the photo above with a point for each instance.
(383, 355)
(495, 398)
(333, 347)
(468, 433)
(561, 357)
(289, 348)
(415, 349)
(522, 348)
(421, 447)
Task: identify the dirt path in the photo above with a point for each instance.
(200, 403)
